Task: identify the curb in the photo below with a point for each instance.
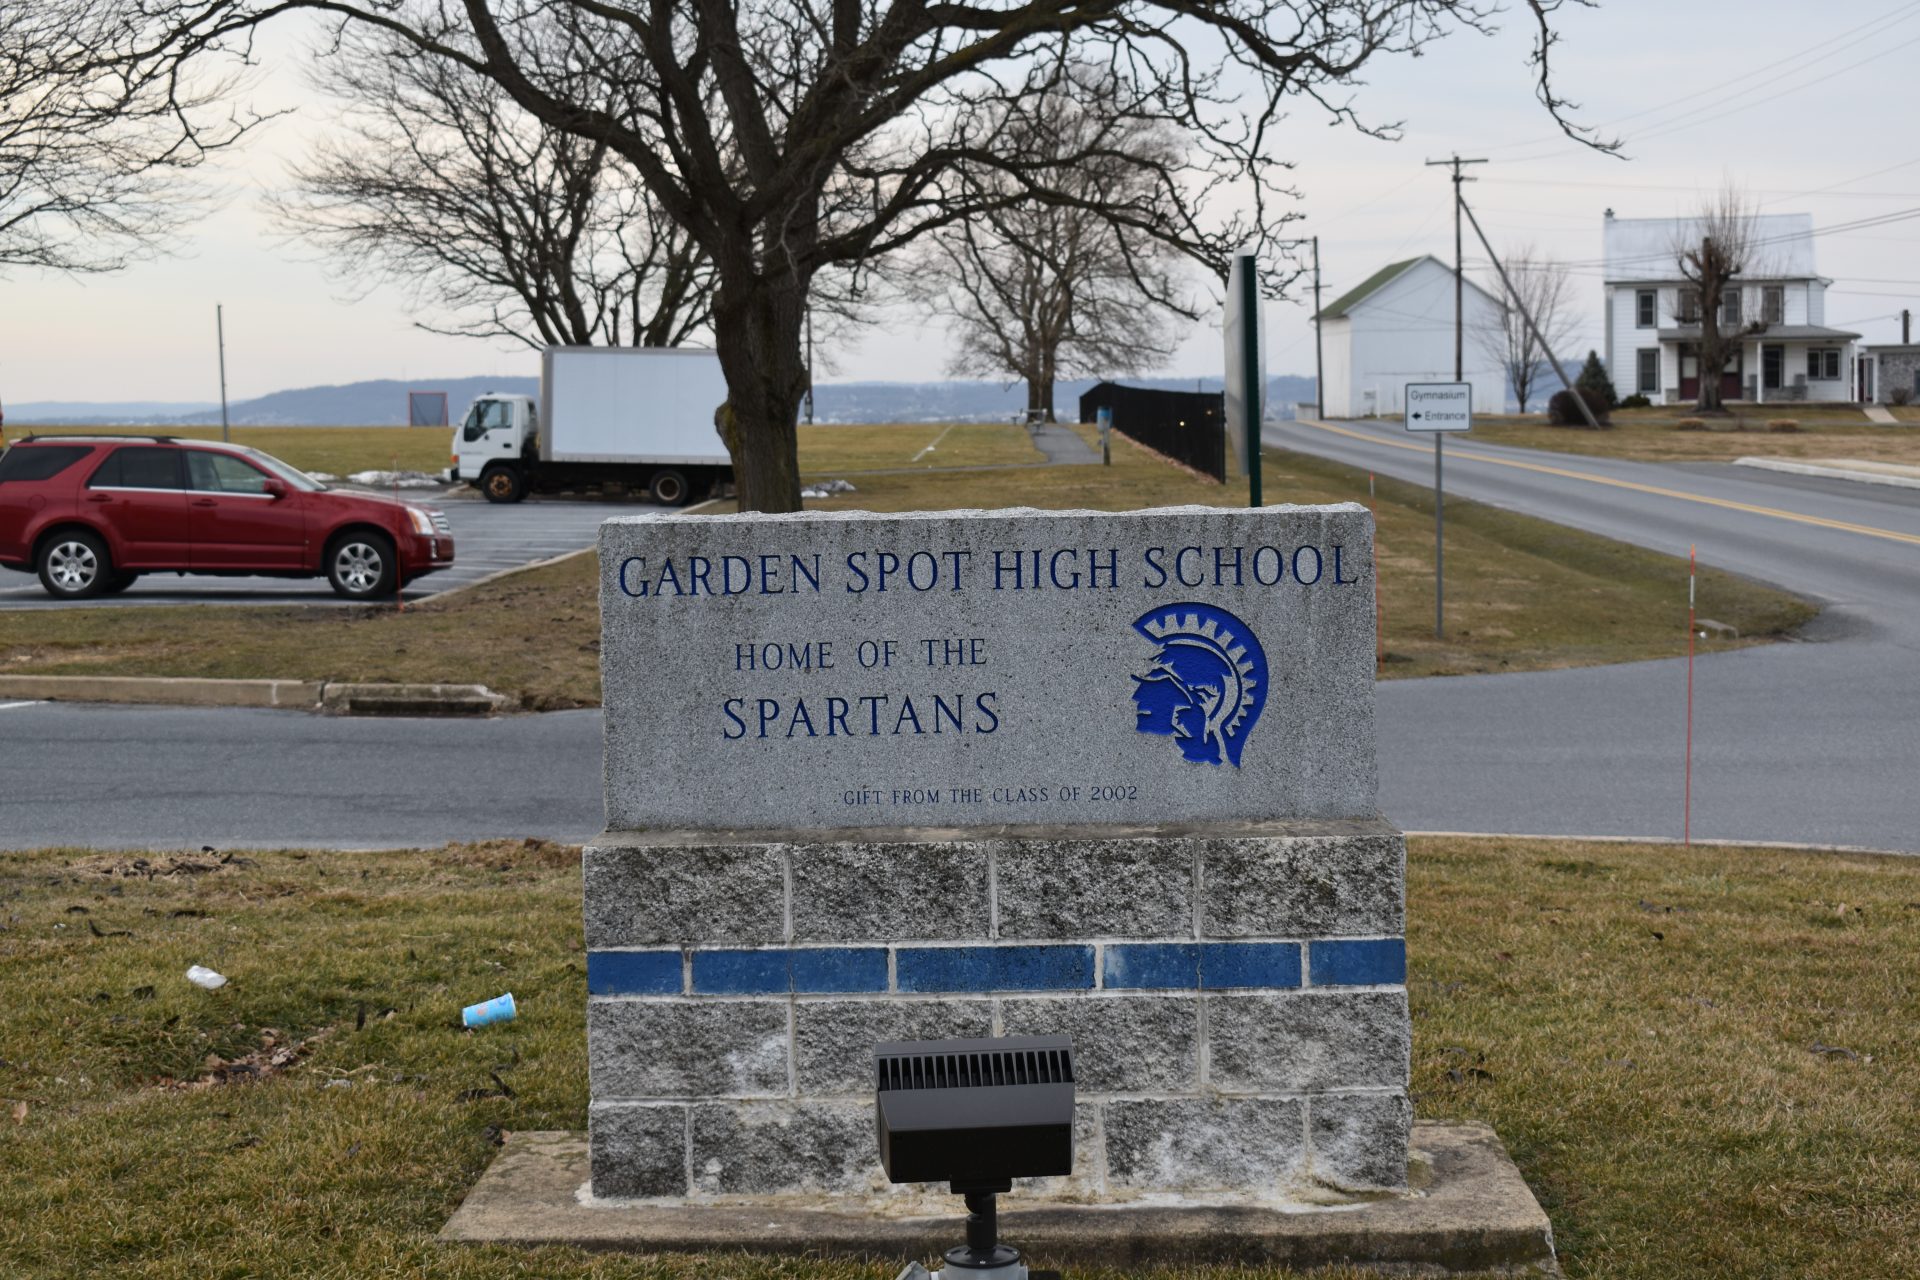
(1831, 473)
(297, 695)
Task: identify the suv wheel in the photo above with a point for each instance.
(119, 582)
(501, 483)
(361, 566)
(75, 566)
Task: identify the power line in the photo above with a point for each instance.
(1832, 45)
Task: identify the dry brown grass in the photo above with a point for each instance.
(1702, 1061)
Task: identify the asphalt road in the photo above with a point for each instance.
(487, 539)
(1815, 742)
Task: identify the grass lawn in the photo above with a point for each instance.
(338, 451)
(1651, 435)
(1522, 594)
(848, 450)
(835, 450)
(1702, 1061)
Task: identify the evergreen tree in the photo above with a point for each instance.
(1593, 379)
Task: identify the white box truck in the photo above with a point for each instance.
(639, 418)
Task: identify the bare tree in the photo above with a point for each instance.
(501, 225)
(1540, 287)
(1712, 250)
(792, 137)
(1043, 291)
(94, 148)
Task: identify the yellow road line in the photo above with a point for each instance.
(1865, 530)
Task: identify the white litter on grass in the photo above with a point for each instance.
(827, 488)
(395, 479)
(324, 477)
(201, 976)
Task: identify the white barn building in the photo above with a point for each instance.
(1396, 327)
(1788, 352)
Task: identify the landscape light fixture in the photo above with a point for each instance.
(975, 1114)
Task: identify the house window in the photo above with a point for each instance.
(1689, 306)
(1823, 366)
(1648, 381)
(1644, 308)
(1773, 304)
(1730, 308)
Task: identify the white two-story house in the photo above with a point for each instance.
(1778, 305)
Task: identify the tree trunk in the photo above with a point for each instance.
(758, 325)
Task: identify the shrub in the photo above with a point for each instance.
(1782, 426)
(1594, 381)
(1900, 395)
(1635, 401)
(1564, 411)
(1690, 424)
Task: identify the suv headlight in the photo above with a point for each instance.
(421, 523)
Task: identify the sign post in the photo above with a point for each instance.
(1246, 367)
(1438, 408)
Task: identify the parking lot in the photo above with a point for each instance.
(487, 539)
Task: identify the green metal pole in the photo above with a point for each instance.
(1250, 390)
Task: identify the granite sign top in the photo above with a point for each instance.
(988, 668)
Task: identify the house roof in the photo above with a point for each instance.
(1772, 333)
(1346, 302)
(1641, 250)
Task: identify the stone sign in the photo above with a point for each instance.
(876, 777)
(983, 669)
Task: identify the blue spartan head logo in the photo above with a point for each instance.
(1207, 684)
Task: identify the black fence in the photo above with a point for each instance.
(1187, 426)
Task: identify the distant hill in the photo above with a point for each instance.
(357, 404)
(103, 413)
(383, 403)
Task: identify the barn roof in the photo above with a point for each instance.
(1346, 302)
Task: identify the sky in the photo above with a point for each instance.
(1802, 106)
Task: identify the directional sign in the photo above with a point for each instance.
(1439, 406)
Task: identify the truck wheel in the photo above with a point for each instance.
(75, 565)
(670, 488)
(502, 483)
(362, 566)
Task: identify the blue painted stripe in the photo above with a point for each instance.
(1359, 963)
(741, 973)
(1249, 964)
(633, 973)
(1161, 966)
(980, 969)
(836, 969)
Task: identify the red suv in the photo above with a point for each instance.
(90, 514)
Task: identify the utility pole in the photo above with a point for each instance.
(1459, 375)
(1906, 327)
(809, 364)
(220, 333)
(1319, 362)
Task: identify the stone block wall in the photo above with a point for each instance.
(1236, 997)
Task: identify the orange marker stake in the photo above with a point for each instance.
(1686, 821)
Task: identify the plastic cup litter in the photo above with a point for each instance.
(201, 976)
(498, 1009)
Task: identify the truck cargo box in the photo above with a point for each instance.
(631, 404)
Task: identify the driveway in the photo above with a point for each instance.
(487, 539)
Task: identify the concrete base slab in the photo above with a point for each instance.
(1471, 1211)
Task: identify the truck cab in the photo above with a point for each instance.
(492, 443)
